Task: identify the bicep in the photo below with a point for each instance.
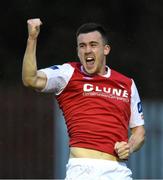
(40, 81)
(140, 130)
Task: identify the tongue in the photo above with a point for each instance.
(90, 62)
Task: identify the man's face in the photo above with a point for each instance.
(92, 52)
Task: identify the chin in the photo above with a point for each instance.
(91, 72)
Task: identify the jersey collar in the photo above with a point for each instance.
(107, 75)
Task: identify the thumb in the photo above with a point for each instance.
(116, 145)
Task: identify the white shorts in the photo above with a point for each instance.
(96, 169)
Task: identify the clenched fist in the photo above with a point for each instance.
(122, 149)
(34, 27)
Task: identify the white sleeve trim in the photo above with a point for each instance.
(136, 118)
(58, 77)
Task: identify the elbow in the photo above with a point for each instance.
(138, 137)
(25, 83)
(28, 82)
(143, 137)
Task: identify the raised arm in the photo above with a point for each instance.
(30, 76)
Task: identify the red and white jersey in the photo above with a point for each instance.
(98, 109)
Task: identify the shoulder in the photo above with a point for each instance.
(66, 66)
(118, 74)
(120, 77)
(64, 70)
(75, 65)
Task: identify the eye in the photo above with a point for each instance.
(93, 44)
(81, 45)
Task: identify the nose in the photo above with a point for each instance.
(88, 49)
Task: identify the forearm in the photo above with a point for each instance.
(29, 69)
(136, 139)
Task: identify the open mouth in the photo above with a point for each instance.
(90, 61)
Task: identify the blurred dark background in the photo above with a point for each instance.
(135, 30)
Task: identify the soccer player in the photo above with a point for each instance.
(98, 103)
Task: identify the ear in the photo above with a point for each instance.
(107, 49)
(77, 52)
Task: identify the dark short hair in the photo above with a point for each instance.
(90, 27)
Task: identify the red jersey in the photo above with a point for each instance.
(97, 109)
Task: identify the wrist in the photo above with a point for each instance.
(30, 38)
(131, 149)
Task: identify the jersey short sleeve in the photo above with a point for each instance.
(136, 118)
(58, 77)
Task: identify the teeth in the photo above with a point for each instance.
(89, 58)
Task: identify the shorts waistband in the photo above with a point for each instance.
(94, 161)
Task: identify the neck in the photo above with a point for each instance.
(103, 73)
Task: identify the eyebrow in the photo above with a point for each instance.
(91, 42)
(94, 42)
